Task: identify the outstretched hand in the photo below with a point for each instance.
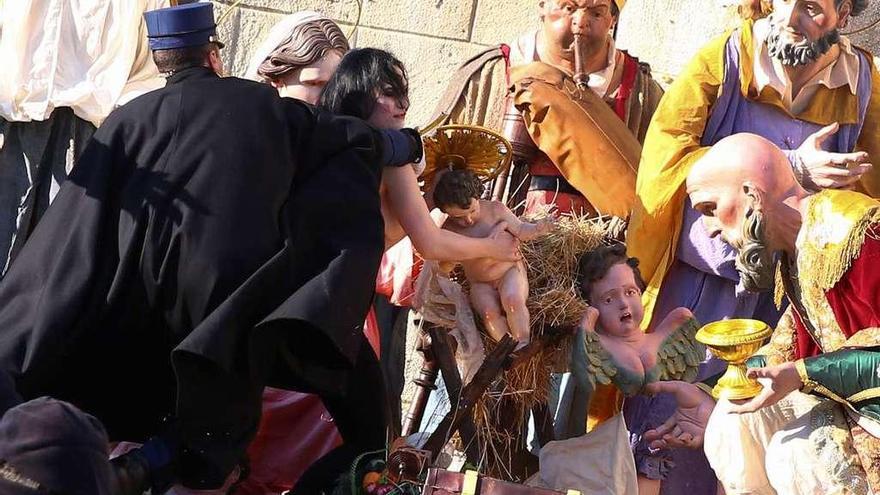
(826, 170)
(778, 381)
(687, 425)
(545, 225)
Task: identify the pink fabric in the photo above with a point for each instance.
(396, 273)
(295, 431)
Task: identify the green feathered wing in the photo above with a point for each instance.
(680, 355)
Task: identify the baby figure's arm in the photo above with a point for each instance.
(523, 231)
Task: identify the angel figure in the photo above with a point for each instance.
(498, 289)
(614, 348)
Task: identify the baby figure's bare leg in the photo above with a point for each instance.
(487, 304)
(514, 290)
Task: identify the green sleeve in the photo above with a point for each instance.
(849, 376)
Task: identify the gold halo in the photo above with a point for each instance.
(482, 151)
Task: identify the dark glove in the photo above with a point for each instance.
(401, 147)
(132, 473)
(150, 467)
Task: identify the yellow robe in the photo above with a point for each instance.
(672, 145)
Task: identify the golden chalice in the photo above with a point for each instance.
(735, 341)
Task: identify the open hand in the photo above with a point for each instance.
(778, 381)
(687, 425)
(826, 170)
(545, 225)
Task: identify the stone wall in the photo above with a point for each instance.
(433, 37)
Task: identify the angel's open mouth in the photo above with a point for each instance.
(626, 317)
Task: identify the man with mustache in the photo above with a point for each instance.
(824, 438)
(791, 78)
(575, 149)
(567, 167)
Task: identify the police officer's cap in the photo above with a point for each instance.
(181, 26)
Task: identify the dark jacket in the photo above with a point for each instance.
(213, 238)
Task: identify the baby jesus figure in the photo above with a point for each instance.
(615, 347)
(498, 289)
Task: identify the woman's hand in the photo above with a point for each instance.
(504, 246)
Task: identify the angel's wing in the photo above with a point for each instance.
(590, 362)
(680, 354)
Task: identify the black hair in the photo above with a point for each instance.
(457, 188)
(177, 59)
(594, 265)
(364, 74)
(615, 12)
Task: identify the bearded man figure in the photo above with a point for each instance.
(791, 78)
(576, 116)
(814, 427)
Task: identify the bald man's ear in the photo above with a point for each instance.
(754, 196)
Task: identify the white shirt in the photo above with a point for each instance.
(90, 55)
(769, 71)
(524, 50)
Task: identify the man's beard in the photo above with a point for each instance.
(803, 52)
(754, 262)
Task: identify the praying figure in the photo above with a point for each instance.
(498, 289)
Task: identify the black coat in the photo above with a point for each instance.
(213, 238)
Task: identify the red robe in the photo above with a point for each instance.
(855, 299)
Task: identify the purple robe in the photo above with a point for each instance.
(703, 277)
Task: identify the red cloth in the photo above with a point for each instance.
(295, 430)
(855, 299)
(630, 70)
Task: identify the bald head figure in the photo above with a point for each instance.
(747, 193)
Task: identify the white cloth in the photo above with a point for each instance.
(769, 71)
(90, 55)
(279, 33)
(524, 50)
(800, 445)
(599, 462)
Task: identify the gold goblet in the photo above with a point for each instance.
(735, 341)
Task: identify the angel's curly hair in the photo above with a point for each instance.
(594, 265)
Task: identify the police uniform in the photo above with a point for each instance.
(215, 238)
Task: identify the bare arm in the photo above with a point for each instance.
(523, 231)
(429, 240)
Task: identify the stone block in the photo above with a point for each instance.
(339, 10)
(441, 18)
(667, 33)
(430, 63)
(866, 34)
(501, 21)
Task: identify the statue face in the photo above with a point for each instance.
(307, 82)
(803, 30)
(619, 301)
(561, 19)
(734, 214)
(464, 217)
